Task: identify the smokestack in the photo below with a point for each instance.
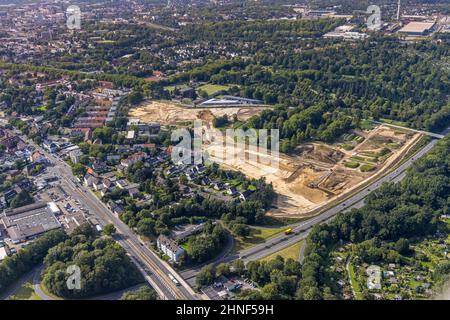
(398, 10)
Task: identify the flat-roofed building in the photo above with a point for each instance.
(29, 221)
(417, 28)
(170, 248)
(3, 253)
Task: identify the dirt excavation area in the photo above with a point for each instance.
(309, 178)
(169, 113)
(318, 173)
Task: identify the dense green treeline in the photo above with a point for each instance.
(406, 210)
(12, 268)
(104, 265)
(381, 77)
(394, 216)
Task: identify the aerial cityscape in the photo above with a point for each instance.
(224, 150)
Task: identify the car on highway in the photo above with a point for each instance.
(173, 279)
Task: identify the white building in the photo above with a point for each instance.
(75, 155)
(53, 207)
(3, 253)
(170, 248)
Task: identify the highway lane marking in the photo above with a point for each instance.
(136, 252)
(329, 214)
(158, 273)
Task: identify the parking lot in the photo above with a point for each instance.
(72, 212)
(227, 288)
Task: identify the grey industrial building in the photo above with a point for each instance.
(29, 221)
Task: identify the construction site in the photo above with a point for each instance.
(308, 179)
(318, 173)
(170, 113)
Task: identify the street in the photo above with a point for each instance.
(155, 270)
(301, 230)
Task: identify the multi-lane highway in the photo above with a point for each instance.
(302, 229)
(155, 270)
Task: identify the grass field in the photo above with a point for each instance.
(211, 89)
(106, 41)
(352, 165)
(292, 252)
(367, 168)
(366, 125)
(257, 235)
(394, 122)
(354, 283)
(25, 292)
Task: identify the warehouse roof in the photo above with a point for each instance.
(417, 27)
(29, 221)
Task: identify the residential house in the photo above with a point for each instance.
(232, 191)
(244, 195)
(217, 185)
(37, 157)
(170, 248)
(115, 207)
(122, 184)
(9, 195)
(75, 155)
(205, 181)
(50, 146)
(99, 166)
(133, 192)
(190, 176)
(113, 158)
(109, 183)
(139, 156)
(90, 180)
(98, 186)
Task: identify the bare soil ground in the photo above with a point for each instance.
(317, 175)
(304, 182)
(169, 113)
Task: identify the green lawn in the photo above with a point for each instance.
(211, 89)
(42, 108)
(106, 41)
(394, 122)
(367, 168)
(292, 252)
(257, 235)
(352, 165)
(185, 246)
(354, 283)
(347, 146)
(366, 125)
(171, 89)
(25, 292)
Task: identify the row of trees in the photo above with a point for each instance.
(104, 265)
(206, 245)
(394, 216)
(12, 268)
(394, 213)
